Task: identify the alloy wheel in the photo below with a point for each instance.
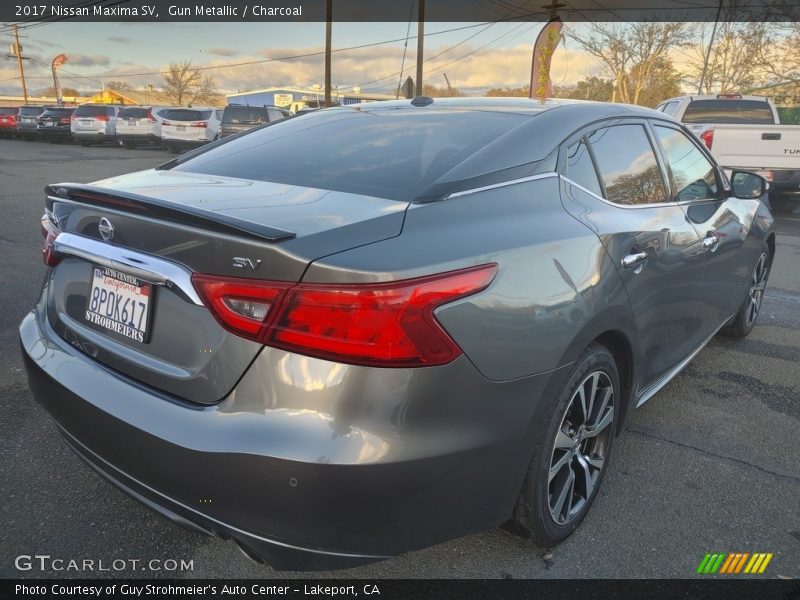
(581, 446)
(757, 286)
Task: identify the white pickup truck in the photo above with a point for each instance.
(744, 132)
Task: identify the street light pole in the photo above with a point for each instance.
(420, 44)
(328, 28)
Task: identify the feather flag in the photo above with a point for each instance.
(543, 49)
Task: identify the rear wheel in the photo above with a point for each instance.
(742, 324)
(564, 477)
(129, 145)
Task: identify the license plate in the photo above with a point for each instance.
(120, 303)
(180, 127)
(132, 123)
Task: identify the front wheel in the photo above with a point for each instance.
(563, 479)
(744, 320)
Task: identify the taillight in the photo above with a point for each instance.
(165, 123)
(102, 117)
(707, 137)
(384, 324)
(64, 121)
(199, 124)
(150, 116)
(49, 233)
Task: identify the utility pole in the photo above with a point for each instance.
(420, 44)
(708, 52)
(328, 28)
(18, 52)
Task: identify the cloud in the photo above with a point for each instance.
(88, 60)
(222, 51)
(120, 39)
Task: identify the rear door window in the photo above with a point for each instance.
(275, 114)
(728, 111)
(628, 165)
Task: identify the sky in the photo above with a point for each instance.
(474, 56)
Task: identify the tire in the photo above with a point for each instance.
(86, 144)
(129, 145)
(744, 320)
(539, 511)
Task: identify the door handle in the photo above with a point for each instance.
(630, 261)
(710, 241)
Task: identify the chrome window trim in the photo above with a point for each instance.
(493, 186)
(144, 266)
(635, 206)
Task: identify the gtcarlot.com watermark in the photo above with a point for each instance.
(46, 562)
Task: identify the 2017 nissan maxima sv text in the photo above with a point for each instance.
(449, 309)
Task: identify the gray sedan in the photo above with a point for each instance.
(336, 338)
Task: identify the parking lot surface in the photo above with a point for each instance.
(710, 464)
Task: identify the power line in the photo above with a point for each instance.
(268, 60)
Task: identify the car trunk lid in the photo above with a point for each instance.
(143, 235)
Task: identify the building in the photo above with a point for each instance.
(145, 98)
(296, 97)
(40, 100)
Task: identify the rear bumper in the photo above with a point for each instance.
(141, 138)
(48, 132)
(307, 464)
(93, 136)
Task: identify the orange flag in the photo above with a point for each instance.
(543, 49)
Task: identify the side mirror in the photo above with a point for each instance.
(747, 185)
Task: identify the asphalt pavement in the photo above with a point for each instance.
(710, 464)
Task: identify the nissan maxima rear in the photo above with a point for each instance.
(340, 337)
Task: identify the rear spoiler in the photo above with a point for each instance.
(162, 210)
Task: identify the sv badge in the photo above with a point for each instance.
(241, 262)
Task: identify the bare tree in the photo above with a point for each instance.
(184, 84)
(118, 85)
(739, 58)
(629, 53)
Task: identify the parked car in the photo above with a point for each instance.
(95, 123)
(237, 118)
(26, 121)
(8, 121)
(744, 132)
(140, 125)
(342, 337)
(189, 127)
(54, 124)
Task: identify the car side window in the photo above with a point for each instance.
(693, 175)
(579, 168)
(627, 164)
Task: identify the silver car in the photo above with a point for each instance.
(94, 123)
(140, 125)
(336, 338)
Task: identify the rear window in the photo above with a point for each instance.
(247, 115)
(92, 111)
(728, 111)
(134, 113)
(389, 153)
(27, 111)
(57, 112)
(186, 114)
(8, 110)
